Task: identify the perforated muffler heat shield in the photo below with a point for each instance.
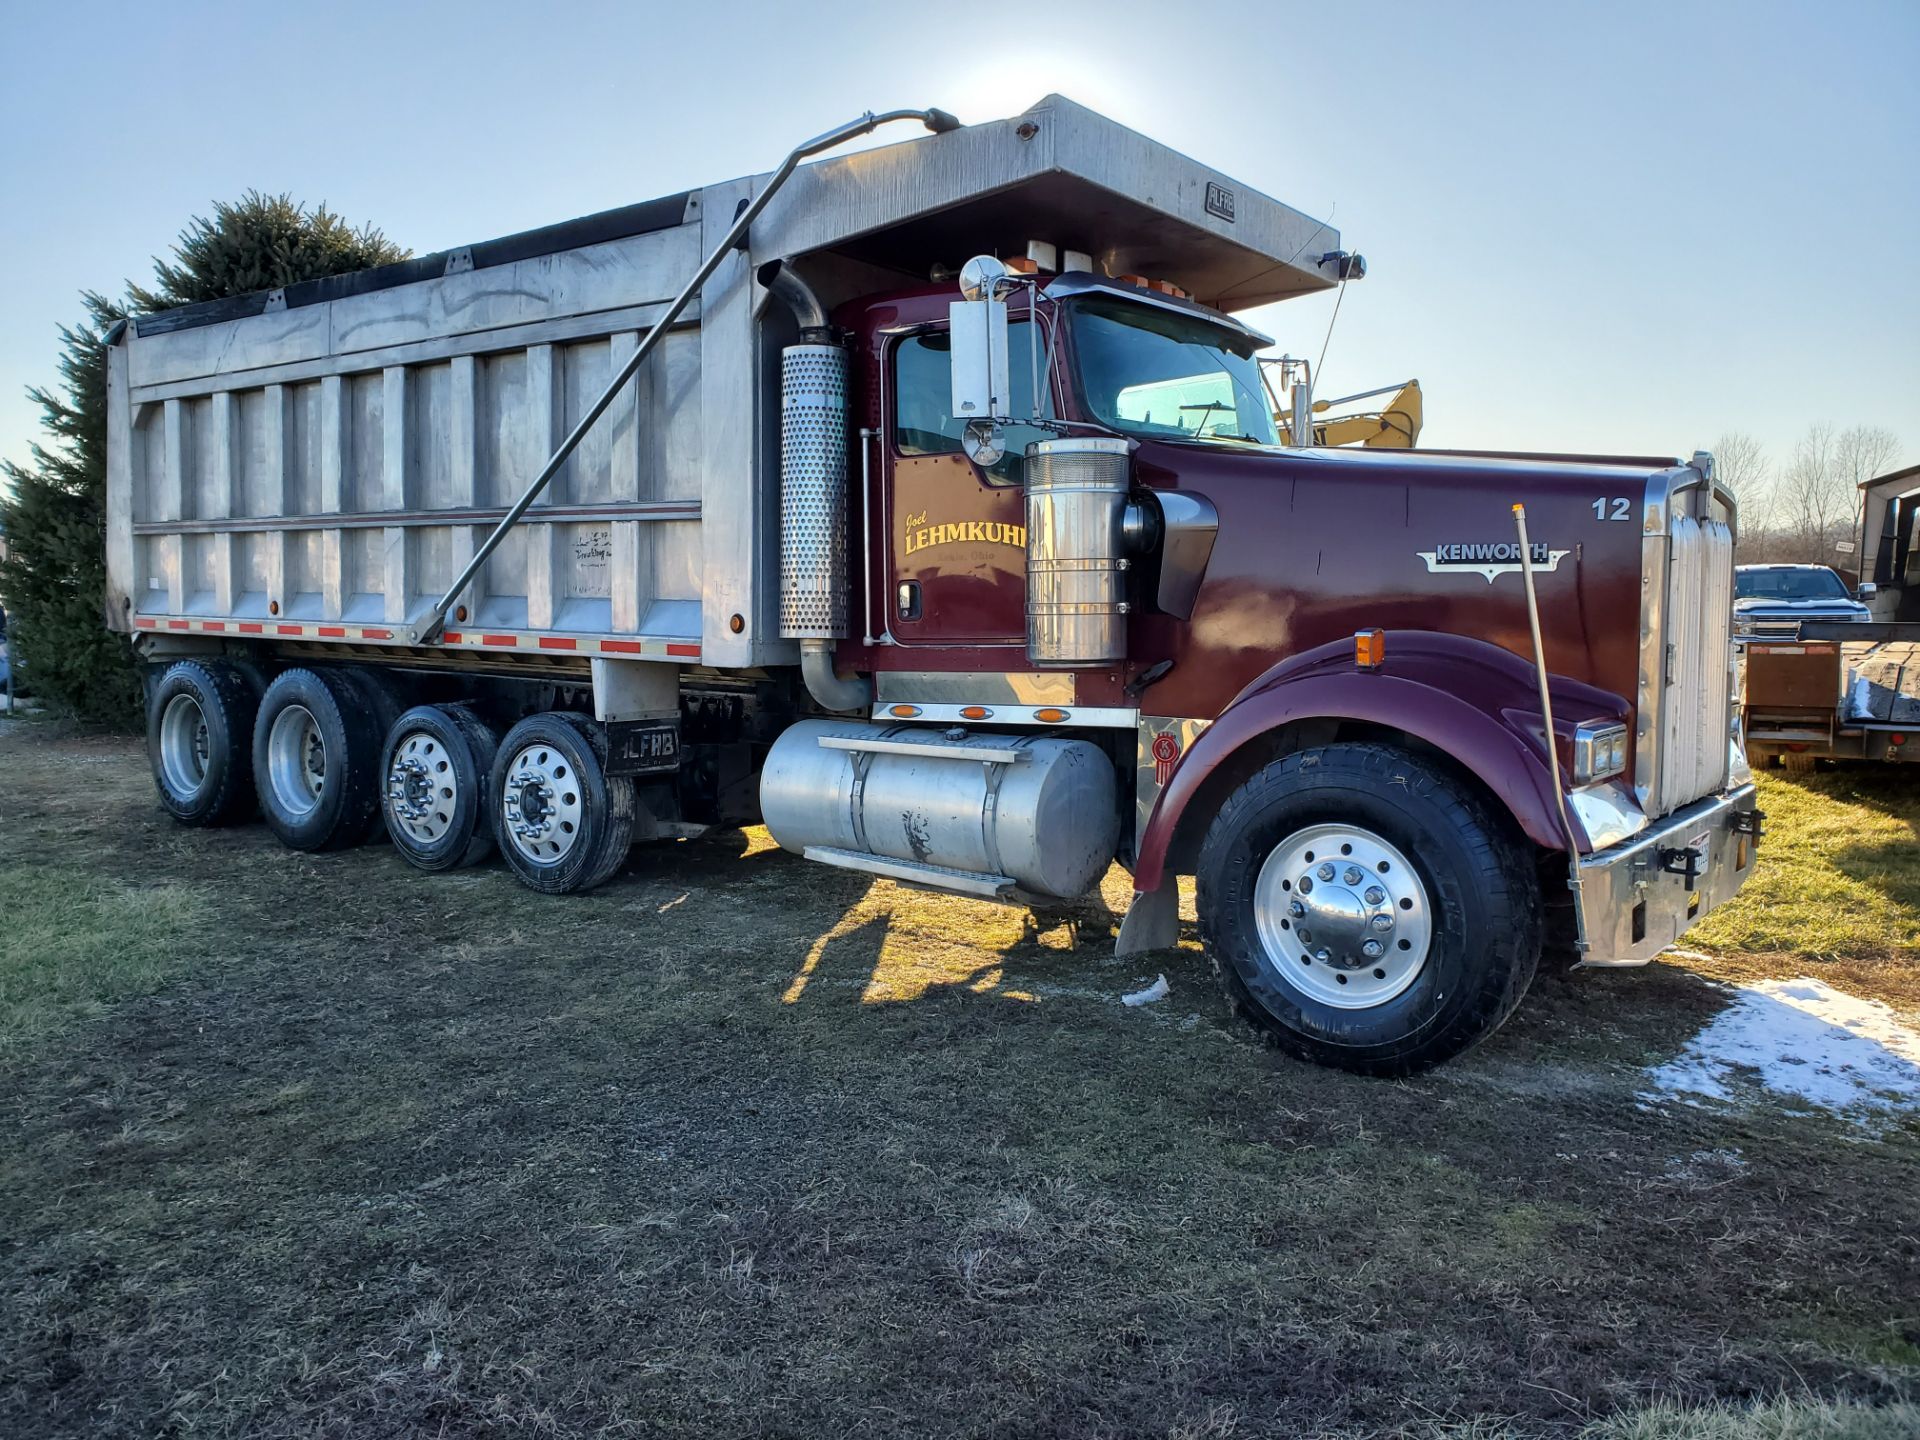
(813, 492)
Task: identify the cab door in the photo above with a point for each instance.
(956, 543)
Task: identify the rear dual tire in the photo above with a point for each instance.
(562, 823)
(438, 762)
(200, 742)
(316, 758)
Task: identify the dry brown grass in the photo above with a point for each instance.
(739, 1146)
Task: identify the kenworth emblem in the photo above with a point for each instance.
(1490, 558)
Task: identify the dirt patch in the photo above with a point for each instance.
(743, 1146)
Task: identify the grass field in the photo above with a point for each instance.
(741, 1146)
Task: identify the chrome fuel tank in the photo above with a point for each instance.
(987, 814)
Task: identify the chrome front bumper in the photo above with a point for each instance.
(1633, 899)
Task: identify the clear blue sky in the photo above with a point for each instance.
(1624, 226)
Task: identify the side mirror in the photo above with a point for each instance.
(1867, 591)
(977, 339)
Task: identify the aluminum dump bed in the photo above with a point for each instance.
(319, 464)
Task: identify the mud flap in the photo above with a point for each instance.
(1152, 922)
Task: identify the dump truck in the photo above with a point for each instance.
(925, 504)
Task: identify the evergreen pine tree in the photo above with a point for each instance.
(53, 580)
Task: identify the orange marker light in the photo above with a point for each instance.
(974, 712)
(1021, 265)
(1050, 717)
(903, 712)
(1369, 649)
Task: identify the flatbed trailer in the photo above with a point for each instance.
(1836, 691)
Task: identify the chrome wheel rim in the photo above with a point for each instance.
(296, 761)
(540, 804)
(1343, 916)
(423, 789)
(183, 746)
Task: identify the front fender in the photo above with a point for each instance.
(1469, 699)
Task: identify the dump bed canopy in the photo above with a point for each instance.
(334, 452)
(1058, 172)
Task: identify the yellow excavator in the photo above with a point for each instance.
(1394, 426)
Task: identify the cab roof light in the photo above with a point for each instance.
(1369, 649)
(1044, 254)
(1021, 265)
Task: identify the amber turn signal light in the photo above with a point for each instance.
(1050, 716)
(903, 712)
(974, 712)
(1369, 649)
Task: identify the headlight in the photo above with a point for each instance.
(1598, 751)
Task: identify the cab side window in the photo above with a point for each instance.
(923, 396)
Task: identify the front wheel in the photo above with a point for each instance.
(1368, 909)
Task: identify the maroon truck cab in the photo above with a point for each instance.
(1240, 708)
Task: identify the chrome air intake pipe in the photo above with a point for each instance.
(1077, 551)
(813, 493)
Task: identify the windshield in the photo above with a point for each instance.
(1813, 584)
(1154, 372)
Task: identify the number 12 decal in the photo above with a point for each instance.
(1618, 508)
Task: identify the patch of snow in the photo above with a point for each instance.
(1156, 991)
(1859, 699)
(1802, 1038)
(1691, 955)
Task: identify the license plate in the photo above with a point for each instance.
(641, 747)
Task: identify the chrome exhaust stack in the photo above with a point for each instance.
(813, 493)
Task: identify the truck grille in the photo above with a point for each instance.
(1694, 710)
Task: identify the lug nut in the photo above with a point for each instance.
(1353, 875)
(1373, 949)
(1383, 923)
(1306, 884)
(1323, 955)
(1296, 909)
(1325, 872)
(1375, 895)
(1306, 936)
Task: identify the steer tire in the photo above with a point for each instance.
(1472, 901)
(328, 808)
(200, 742)
(556, 763)
(454, 749)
